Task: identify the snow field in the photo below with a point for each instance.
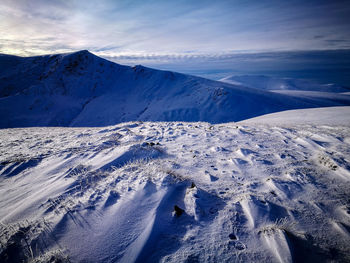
(330, 116)
(249, 193)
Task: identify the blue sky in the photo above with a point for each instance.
(161, 29)
(163, 33)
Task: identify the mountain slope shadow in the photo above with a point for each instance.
(304, 250)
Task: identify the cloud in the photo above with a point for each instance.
(149, 30)
(318, 37)
(243, 62)
(326, 65)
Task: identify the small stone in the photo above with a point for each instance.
(213, 210)
(178, 211)
(240, 246)
(232, 236)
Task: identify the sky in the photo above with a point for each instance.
(163, 33)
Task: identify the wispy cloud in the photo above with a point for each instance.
(326, 65)
(165, 30)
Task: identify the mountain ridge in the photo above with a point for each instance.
(81, 89)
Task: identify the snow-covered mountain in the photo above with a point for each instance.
(81, 89)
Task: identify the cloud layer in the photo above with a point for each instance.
(172, 30)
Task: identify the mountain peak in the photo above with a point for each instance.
(81, 58)
(83, 52)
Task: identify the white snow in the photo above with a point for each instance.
(318, 116)
(274, 188)
(249, 192)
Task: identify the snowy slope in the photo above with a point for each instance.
(81, 89)
(334, 116)
(274, 83)
(247, 193)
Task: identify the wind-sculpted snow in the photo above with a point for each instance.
(242, 193)
(80, 89)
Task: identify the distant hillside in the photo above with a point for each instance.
(81, 89)
(273, 83)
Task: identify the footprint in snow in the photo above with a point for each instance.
(213, 178)
(213, 167)
(265, 162)
(238, 245)
(246, 152)
(239, 161)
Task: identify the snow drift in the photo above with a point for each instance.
(247, 193)
(81, 89)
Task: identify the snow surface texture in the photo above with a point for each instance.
(243, 193)
(80, 89)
